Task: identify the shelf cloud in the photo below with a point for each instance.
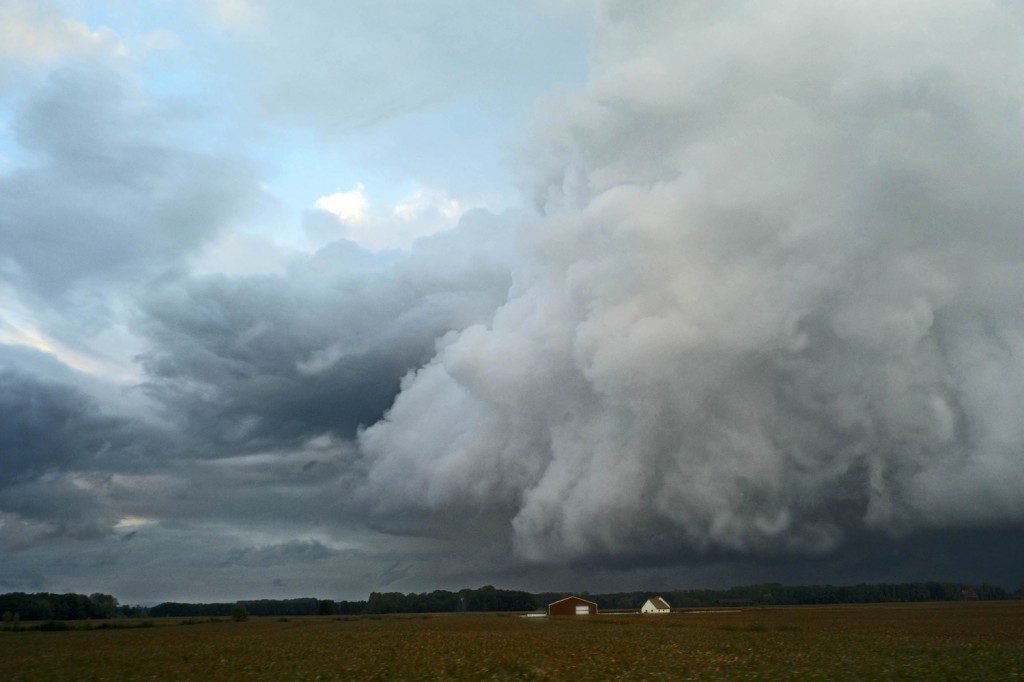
(772, 302)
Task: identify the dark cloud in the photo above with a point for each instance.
(256, 385)
(46, 426)
(55, 420)
(297, 551)
(61, 440)
(268, 360)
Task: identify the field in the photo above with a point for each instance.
(942, 641)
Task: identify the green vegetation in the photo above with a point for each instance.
(962, 641)
(47, 606)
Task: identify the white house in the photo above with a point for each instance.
(655, 605)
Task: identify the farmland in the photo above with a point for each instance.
(963, 641)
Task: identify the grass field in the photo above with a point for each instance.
(943, 641)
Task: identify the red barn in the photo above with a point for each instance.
(572, 606)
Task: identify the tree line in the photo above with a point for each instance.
(49, 606)
(488, 598)
(776, 594)
(305, 606)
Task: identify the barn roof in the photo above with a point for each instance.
(659, 603)
(559, 601)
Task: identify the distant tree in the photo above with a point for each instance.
(326, 607)
(351, 607)
(28, 606)
(239, 613)
(11, 620)
(76, 607)
(387, 602)
(101, 606)
(987, 591)
(439, 601)
(134, 611)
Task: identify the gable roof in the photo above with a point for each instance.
(659, 603)
(574, 598)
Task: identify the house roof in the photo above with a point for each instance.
(658, 603)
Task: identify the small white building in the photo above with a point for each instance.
(655, 605)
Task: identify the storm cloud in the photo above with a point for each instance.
(274, 360)
(754, 314)
(772, 302)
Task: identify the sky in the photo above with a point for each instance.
(327, 298)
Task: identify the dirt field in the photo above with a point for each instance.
(948, 641)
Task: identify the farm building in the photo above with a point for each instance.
(655, 605)
(572, 606)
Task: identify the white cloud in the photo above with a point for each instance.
(377, 228)
(132, 522)
(34, 32)
(349, 207)
(237, 13)
(774, 301)
(424, 205)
